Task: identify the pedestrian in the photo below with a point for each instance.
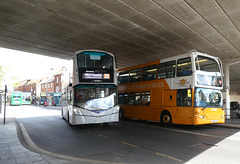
(45, 103)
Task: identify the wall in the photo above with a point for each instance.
(234, 97)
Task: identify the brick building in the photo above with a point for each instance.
(28, 85)
(58, 89)
(47, 89)
(57, 83)
(51, 90)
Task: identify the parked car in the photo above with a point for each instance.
(235, 108)
(238, 113)
(234, 105)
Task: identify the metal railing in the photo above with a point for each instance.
(234, 115)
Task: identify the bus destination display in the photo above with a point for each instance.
(97, 76)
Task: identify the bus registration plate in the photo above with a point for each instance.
(214, 121)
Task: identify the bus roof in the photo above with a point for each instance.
(93, 50)
(155, 62)
(140, 65)
(166, 60)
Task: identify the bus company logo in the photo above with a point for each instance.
(183, 82)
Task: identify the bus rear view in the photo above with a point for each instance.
(16, 98)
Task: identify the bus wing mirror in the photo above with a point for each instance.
(221, 67)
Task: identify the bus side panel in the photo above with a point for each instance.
(183, 115)
(142, 112)
(128, 111)
(156, 104)
(156, 98)
(180, 115)
(170, 98)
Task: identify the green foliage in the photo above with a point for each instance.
(16, 84)
(2, 74)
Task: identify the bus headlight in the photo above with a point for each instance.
(201, 117)
(76, 111)
(116, 109)
(223, 116)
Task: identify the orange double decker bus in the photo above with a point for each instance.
(185, 89)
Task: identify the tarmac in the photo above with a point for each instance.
(13, 151)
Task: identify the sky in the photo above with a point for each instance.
(23, 65)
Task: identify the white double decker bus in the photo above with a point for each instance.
(89, 93)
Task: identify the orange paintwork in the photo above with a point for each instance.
(163, 98)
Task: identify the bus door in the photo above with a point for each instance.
(184, 110)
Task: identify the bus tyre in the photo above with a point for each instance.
(121, 114)
(105, 124)
(166, 118)
(62, 113)
(68, 117)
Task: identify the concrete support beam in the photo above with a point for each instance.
(226, 70)
(227, 89)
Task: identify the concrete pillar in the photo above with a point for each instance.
(227, 89)
(233, 61)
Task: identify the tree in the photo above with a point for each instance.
(2, 76)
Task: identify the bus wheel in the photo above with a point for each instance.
(166, 118)
(68, 117)
(105, 124)
(62, 113)
(121, 114)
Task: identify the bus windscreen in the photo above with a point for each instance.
(95, 66)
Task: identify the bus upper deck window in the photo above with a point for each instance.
(123, 77)
(135, 75)
(184, 67)
(149, 72)
(166, 69)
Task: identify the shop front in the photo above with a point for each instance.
(49, 98)
(56, 99)
(42, 98)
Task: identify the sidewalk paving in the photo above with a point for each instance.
(12, 151)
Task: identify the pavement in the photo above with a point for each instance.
(13, 151)
(16, 147)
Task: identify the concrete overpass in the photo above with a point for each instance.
(137, 31)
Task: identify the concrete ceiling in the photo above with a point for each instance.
(137, 31)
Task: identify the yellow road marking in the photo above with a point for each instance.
(129, 144)
(102, 136)
(179, 160)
